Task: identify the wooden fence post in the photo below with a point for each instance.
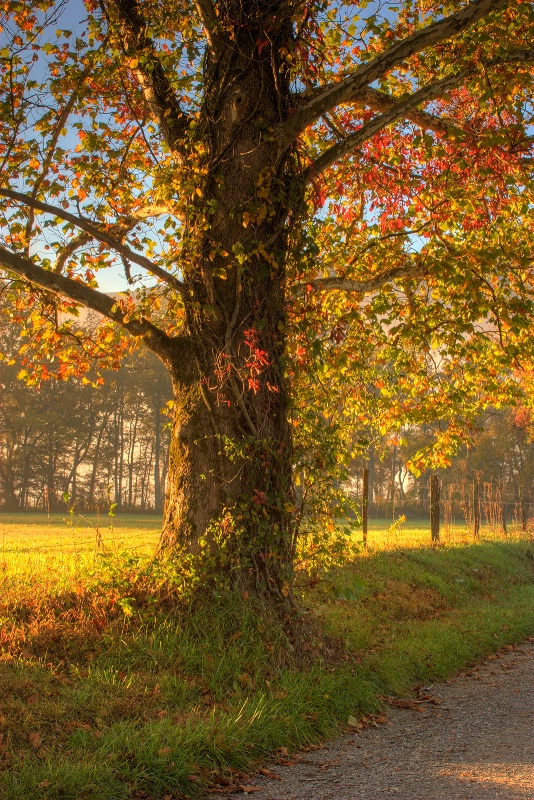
(522, 511)
(476, 509)
(502, 511)
(365, 504)
(434, 507)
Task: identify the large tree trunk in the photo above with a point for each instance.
(229, 493)
(229, 487)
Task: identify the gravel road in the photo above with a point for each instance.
(470, 739)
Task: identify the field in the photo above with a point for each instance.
(39, 544)
(114, 688)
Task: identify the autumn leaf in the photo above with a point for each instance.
(35, 740)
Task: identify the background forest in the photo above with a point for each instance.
(93, 443)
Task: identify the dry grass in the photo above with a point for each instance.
(386, 534)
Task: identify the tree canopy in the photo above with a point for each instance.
(307, 200)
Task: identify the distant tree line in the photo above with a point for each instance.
(499, 457)
(78, 443)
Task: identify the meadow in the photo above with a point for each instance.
(36, 543)
(115, 684)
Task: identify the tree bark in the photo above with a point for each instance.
(131, 453)
(158, 505)
(229, 486)
(51, 500)
(229, 493)
(11, 501)
(434, 508)
(95, 460)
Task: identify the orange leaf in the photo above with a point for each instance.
(35, 740)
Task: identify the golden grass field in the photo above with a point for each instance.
(59, 548)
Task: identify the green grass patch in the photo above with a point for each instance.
(108, 690)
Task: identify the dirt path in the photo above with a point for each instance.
(472, 740)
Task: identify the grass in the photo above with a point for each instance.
(384, 534)
(109, 691)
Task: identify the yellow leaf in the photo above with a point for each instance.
(133, 63)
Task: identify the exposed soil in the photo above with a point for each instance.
(467, 739)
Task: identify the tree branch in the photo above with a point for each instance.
(210, 23)
(119, 230)
(374, 126)
(60, 124)
(346, 90)
(405, 108)
(154, 338)
(155, 84)
(66, 252)
(359, 287)
(96, 233)
(380, 101)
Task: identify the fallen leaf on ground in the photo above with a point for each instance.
(35, 740)
(412, 705)
(269, 774)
